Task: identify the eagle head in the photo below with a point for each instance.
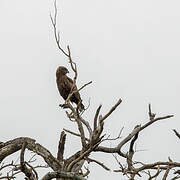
(61, 70)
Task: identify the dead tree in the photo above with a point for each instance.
(72, 167)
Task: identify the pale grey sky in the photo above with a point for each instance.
(129, 49)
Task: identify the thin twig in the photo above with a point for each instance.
(176, 133)
(83, 86)
(57, 34)
(151, 115)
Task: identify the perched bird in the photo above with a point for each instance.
(64, 84)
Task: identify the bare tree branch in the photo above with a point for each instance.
(138, 128)
(155, 175)
(28, 173)
(96, 117)
(91, 136)
(81, 156)
(99, 163)
(166, 173)
(68, 175)
(56, 34)
(156, 164)
(86, 173)
(151, 115)
(61, 146)
(131, 151)
(75, 134)
(15, 145)
(33, 169)
(84, 86)
(176, 133)
(111, 110)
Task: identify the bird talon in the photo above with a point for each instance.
(64, 106)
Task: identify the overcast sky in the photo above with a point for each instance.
(129, 49)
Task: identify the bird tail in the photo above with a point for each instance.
(81, 107)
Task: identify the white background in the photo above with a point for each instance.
(129, 49)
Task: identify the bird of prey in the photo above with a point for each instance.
(64, 84)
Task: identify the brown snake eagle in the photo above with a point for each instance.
(64, 84)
